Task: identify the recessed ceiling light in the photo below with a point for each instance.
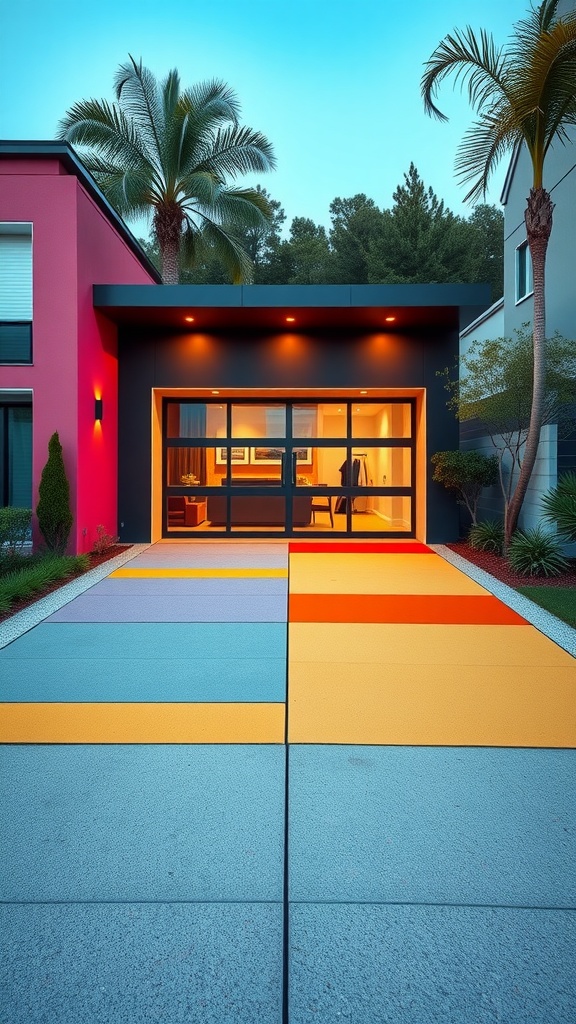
(390, 319)
(290, 319)
(215, 392)
(189, 319)
(363, 392)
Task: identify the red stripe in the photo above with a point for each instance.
(369, 547)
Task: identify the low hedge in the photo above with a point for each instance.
(24, 582)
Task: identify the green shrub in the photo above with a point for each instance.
(487, 536)
(53, 511)
(15, 528)
(560, 505)
(536, 553)
(466, 473)
(25, 581)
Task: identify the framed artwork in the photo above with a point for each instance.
(238, 456)
(303, 456)
(266, 456)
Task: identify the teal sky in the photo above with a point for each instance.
(333, 84)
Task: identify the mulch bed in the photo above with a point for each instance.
(95, 560)
(498, 567)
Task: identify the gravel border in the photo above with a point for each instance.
(21, 622)
(560, 632)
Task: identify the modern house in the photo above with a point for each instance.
(199, 411)
(557, 452)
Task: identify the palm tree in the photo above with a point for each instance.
(170, 153)
(522, 94)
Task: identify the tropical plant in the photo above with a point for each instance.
(53, 509)
(560, 506)
(536, 553)
(466, 473)
(169, 153)
(523, 95)
(487, 536)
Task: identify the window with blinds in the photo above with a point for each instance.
(15, 293)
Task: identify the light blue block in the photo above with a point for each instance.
(144, 640)
(141, 608)
(431, 965)
(158, 822)
(433, 825)
(165, 680)
(142, 964)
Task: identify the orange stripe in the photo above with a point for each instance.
(418, 608)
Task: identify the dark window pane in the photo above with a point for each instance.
(15, 343)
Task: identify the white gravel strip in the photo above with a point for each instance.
(560, 632)
(21, 622)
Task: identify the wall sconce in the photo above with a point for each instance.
(98, 410)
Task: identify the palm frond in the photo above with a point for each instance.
(484, 144)
(229, 251)
(236, 151)
(215, 100)
(197, 188)
(138, 95)
(240, 208)
(476, 62)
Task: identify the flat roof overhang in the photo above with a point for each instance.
(314, 307)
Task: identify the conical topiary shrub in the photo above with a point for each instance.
(53, 510)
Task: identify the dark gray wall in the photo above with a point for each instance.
(148, 360)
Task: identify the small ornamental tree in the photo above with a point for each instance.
(53, 510)
(493, 386)
(466, 473)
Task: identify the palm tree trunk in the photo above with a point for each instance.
(170, 268)
(538, 218)
(168, 219)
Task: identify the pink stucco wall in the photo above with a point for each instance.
(74, 348)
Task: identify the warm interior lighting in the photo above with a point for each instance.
(290, 319)
(189, 319)
(363, 392)
(390, 319)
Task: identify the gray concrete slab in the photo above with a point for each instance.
(142, 963)
(431, 965)
(129, 823)
(433, 825)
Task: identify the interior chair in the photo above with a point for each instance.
(322, 503)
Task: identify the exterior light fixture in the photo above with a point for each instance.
(98, 409)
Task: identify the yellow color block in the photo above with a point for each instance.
(377, 574)
(439, 706)
(416, 644)
(199, 574)
(142, 723)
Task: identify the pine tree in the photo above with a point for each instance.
(53, 510)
